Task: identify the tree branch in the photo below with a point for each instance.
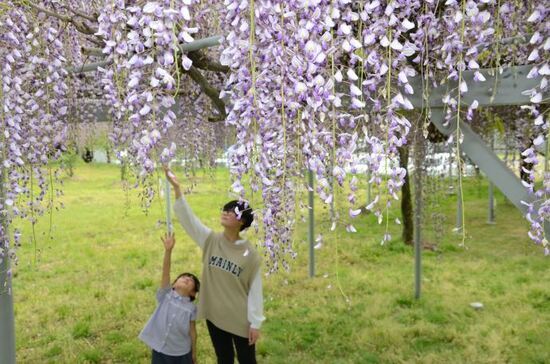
(203, 62)
(212, 92)
(91, 51)
(92, 18)
(49, 12)
(80, 26)
(88, 67)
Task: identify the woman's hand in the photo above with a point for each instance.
(253, 336)
(171, 177)
(169, 241)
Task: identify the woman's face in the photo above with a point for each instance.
(229, 219)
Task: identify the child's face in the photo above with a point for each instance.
(185, 286)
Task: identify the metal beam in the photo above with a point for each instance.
(88, 67)
(482, 155)
(509, 86)
(499, 89)
(187, 47)
(201, 44)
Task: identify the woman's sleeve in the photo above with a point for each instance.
(256, 302)
(191, 223)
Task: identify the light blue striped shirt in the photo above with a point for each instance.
(168, 328)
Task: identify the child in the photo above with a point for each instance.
(171, 331)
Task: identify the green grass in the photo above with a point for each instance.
(91, 289)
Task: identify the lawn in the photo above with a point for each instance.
(83, 294)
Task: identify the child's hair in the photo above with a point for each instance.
(195, 280)
(245, 212)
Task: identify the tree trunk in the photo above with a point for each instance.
(406, 200)
(522, 174)
(88, 155)
(523, 165)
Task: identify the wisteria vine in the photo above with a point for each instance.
(308, 84)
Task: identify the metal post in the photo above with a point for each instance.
(458, 227)
(450, 166)
(417, 228)
(450, 188)
(369, 190)
(491, 213)
(168, 207)
(311, 232)
(491, 217)
(459, 192)
(7, 322)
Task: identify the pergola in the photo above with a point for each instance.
(499, 89)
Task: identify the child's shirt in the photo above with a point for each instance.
(168, 328)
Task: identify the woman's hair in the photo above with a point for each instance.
(243, 209)
(195, 280)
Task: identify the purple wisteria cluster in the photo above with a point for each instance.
(311, 84)
(33, 116)
(282, 93)
(143, 44)
(311, 79)
(381, 53)
(539, 44)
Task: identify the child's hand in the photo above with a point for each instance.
(169, 240)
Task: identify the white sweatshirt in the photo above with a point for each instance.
(199, 233)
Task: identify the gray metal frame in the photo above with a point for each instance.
(499, 89)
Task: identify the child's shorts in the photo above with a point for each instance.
(160, 358)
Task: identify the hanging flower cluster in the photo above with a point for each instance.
(33, 116)
(281, 91)
(381, 52)
(250, 108)
(143, 44)
(310, 82)
(192, 127)
(539, 42)
(330, 73)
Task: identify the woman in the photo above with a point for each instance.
(231, 295)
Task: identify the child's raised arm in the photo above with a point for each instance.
(169, 240)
